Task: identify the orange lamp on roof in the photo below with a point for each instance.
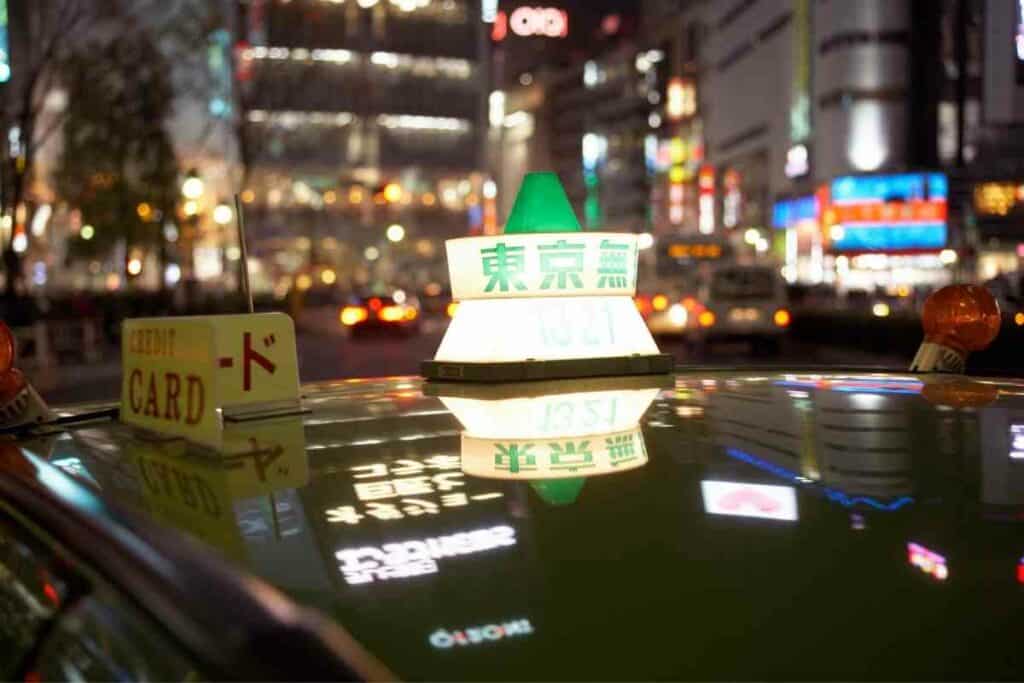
(19, 403)
(957, 320)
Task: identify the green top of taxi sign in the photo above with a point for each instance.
(541, 206)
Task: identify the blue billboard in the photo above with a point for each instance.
(788, 212)
(888, 188)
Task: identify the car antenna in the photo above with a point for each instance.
(240, 219)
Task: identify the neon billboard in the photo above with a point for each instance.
(899, 212)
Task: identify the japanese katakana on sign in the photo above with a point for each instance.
(530, 265)
(180, 374)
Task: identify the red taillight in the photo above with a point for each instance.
(375, 304)
(643, 304)
(690, 304)
(352, 315)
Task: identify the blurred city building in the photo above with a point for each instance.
(358, 116)
(864, 146)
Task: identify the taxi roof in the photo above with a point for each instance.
(780, 524)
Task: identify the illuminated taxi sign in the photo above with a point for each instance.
(180, 374)
(544, 300)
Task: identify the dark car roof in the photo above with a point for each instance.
(769, 525)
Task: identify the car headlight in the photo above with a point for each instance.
(677, 315)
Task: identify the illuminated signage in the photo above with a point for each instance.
(680, 98)
(798, 161)
(788, 212)
(997, 198)
(417, 557)
(706, 200)
(549, 22)
(1017, 441)
(694, 251)
(443, 639)
(1020, 571)
(929, 562)
(488, 11)
(405, 488)
(732, 200)
(762, 501)
(888, 212)
(1019, 39)
(5, 55)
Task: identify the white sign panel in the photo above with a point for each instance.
(511, 330)
(749, 500)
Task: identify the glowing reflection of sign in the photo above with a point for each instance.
(763, 501)
(555, 458)
(929, 562)
(833, 495)
(1017, 441)
(406, 488)
(554, 415)
(856, 386)
(417, 557)
(443, 639)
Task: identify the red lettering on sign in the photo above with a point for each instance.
(171, 393)
(195, 400)
(173, 388)
(152, 410)
(250, 356)
(135, 376)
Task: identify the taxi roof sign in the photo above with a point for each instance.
(541, 206)
(544, 300)
(180, 375)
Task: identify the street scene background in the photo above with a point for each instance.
(801, 175)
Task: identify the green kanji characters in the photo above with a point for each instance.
(504, 266)
(514, 457)
(571, 455)
(613, 266)
(621, 448)
(561, 264)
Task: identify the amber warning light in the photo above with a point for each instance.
(957, 320)
(19, 403)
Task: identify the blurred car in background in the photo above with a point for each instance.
(397, 314)
(743, 303)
